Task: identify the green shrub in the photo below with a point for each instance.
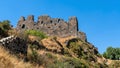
(59, 64)
(36, 33)
(76, 48)
(112, 53)
(77, 63)
(4, 27)
(49, 55)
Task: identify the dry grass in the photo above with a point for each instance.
(49, 58)
(10, 61)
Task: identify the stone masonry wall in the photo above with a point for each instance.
(51, 26)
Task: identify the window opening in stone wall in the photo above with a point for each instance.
(41, 22)
(51, 21)
(23, 26)
(58, 20)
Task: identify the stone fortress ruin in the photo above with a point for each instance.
(52, 26)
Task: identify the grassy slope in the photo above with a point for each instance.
(50, 59)
(8, 60)
(79, 54)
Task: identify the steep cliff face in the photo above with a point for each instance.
(52, 26)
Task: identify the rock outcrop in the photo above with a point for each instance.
(52, 26)
(14, 44)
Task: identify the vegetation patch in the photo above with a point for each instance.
(36, 33)
(112, 53)
(33, 55)
(4, 27)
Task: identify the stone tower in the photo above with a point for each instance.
(73, 26)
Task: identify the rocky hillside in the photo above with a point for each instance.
(54, 52)
(34, 49)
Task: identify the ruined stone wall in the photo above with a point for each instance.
(51, 26)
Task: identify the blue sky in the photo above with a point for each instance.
(99, 19)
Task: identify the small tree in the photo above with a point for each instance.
(112, 53)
